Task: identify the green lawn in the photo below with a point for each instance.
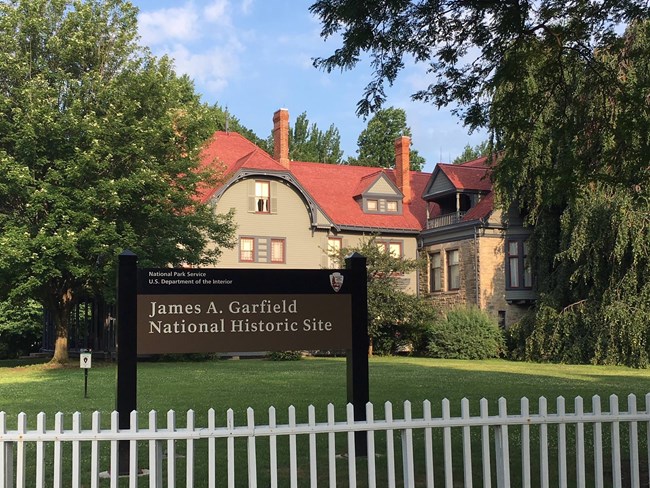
(239, 384)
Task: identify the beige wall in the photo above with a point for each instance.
(305, 247)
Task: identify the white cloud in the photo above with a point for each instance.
(218, 12)
(213, 69)
(168, 24)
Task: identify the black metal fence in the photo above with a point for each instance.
(92, 325)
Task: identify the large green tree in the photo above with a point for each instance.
(376, 143)
(98, 152)
(563, 89)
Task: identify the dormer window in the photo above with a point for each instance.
(382, 205)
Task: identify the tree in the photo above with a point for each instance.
(308, 143)
(394, 316)
(98, 151)
(564, 92)
(376, 143)
(583, 179)
(469, 153)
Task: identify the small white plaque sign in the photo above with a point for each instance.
(85, 360)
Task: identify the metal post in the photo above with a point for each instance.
(357, 357)
(127, 355)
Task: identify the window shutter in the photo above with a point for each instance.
(251, 196)
(274, 197)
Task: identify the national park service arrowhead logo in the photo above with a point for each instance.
(336, 280)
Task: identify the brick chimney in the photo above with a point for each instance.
(403, 167)
(281, 137)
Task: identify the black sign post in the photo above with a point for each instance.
(357, 357)
(127, 356)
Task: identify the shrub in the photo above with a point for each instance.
(285, 356)
(465, 333)
(21, 328)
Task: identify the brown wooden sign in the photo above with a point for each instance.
(220, 310)
(228, 323)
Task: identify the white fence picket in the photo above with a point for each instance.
(251, 449)
(467, 444)
(525, 443)
(543, 444)
(561, 444)
(133, 451)
(40, 451)
(370, 419)
(189, 451)
(273, 450)
(331, 445)
(313, 467)
(635, 480)
(581, 478)
(57, 479)
(428, 444)
(446, 445)
(407, 449)
(171, 451)
(18, 469)
(599, 479)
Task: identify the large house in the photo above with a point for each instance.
(291, 214)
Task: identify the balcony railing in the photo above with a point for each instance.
(444, 220)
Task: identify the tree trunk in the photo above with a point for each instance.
(60, 349)
(63, 307)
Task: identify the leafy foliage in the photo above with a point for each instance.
(564, 91)
(285, 356)
(465, 333)
(376, 143)
(21, 328)
(99, 144)
(396, 319)
(469, 153)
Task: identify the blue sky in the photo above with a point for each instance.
(254, 56)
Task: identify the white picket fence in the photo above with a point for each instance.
(544, 448)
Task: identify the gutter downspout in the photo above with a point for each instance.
(478, 304)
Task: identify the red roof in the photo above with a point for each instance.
(331, 186)
(467, 176)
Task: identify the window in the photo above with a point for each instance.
(436, 272)
(513, 263)
(453, 270)
(394, 248)
(262, 250)
(373, 205)
(518, 272)
(277, 250)
(334, 245)
(262, 196)
(391, 206)
(247, 249)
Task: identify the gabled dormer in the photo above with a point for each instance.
(377, 194)
(456, 190)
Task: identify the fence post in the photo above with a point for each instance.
(127, 355)
(357, 356)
